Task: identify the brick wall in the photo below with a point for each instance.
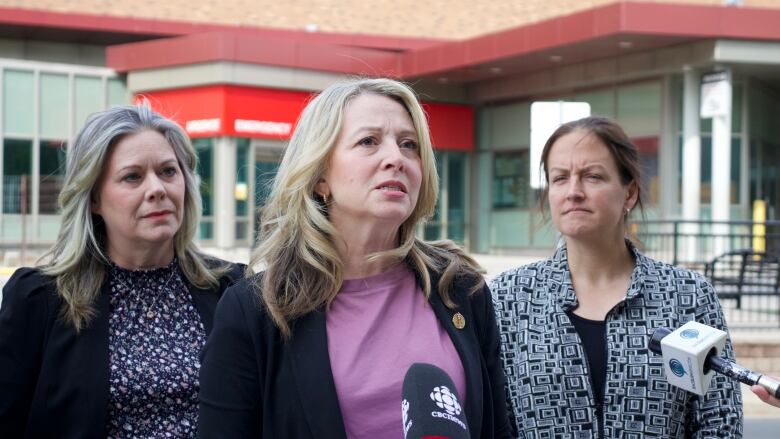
(453, 19)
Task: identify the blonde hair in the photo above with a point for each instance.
(303, 269)
(78, 260)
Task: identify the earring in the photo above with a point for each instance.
(325, 198)
(628, 210)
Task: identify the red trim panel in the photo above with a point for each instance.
(628, 18)
(452, 126)
(193, 49)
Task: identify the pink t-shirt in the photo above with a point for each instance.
(377, 327)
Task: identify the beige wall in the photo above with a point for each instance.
(454, 19)
(68, 53)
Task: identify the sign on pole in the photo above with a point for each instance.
(546, 117)
(715, 95)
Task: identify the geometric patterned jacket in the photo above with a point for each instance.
(549, 390)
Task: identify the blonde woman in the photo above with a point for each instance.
(104, 339)
(317, 345)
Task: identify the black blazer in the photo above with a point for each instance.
(254, 385)
(53, 381)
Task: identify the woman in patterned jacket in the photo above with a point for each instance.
(575, 327)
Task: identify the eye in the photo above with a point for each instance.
(409, 144)
(593, 177)
(131, 177)
(558, 178)
(169, 171)
(367, 141)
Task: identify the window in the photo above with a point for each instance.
(510, 180)
(17, 169)
(41, 107)
(432, 228)
(205, 150)
(52, 168)
(456, 197)
(265, 172)
(54, 102)
(18, 102)
(241, 191)
(89, 98)
(117, 93)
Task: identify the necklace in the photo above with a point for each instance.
(151, 312)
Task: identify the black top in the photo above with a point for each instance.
(593, 334)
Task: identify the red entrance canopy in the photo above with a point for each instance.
(240, 111)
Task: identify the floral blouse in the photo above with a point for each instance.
(155, 339)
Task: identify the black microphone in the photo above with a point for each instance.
(430, 405)
(691, 341)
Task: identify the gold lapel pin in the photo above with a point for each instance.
(459, 321)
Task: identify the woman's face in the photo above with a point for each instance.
(586, 195)
(140, 194)
(374, 171)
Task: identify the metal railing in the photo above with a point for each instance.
(694, 244)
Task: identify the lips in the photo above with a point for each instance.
(391, 185)
(576, 210)
(157, 214)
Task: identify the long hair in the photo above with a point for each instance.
(303, 269)
(78, 259)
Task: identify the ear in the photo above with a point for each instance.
(632, 196)
(322, 189)
(94, 204)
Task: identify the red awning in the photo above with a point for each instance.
(240, 111)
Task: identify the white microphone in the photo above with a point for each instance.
(692, 356)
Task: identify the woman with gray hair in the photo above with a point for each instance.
(104, 338)
(317, 344)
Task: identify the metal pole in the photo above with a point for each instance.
(23, 205)
(674, 242)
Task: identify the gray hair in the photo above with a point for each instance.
(78, 258)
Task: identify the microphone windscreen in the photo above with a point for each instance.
(430, 404)
(655, 341)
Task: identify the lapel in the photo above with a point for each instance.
(205, 299)
(314, 377)
(468, 347)
(78, 393)
(100, 387)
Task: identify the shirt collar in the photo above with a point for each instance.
(559, 277)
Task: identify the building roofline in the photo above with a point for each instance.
(151, 28)
(622, 18)
(666, 23)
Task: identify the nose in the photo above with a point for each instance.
(574, 190)
(155, 189)
(394, 157)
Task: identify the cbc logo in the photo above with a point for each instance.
(689, 333)
(677, 367)
(445, 400)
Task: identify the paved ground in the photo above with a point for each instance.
(762, 428)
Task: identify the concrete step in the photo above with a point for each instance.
(759, 351)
